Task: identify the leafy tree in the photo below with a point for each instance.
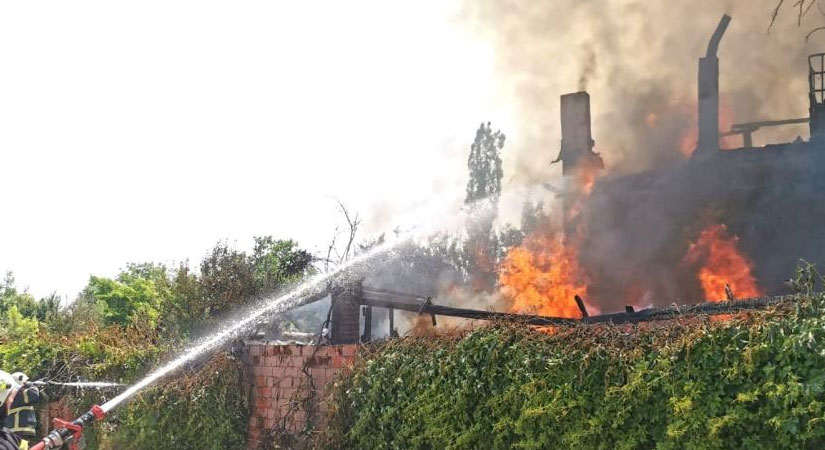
(227, 277)
(10, 296)
(15, 326)
(276, 262)
(136, 295)
(230, 276)
(485, 165)
(42, 310)
(481, 250)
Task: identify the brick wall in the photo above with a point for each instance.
(280, 388)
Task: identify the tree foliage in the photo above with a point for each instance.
(485, 164)
(119, 328)
(41, 310)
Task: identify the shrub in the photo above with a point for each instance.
(754, 381)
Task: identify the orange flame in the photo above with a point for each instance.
(542, 276)
(722, 263)
(725, 123)
(688, 141)
(687, 144)
(587, 179)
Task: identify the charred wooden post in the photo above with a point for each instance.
(345, 314)
(367, 312)
(582, 308)
(816, 95)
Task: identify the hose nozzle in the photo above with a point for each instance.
(69, 432)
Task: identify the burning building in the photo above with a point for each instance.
(721, 223)
(724, 224)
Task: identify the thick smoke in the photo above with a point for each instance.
(652, 199)
(644, 91)
(638, 61)
(588, 67)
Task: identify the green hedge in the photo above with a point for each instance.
(206, 410)
(755, 382)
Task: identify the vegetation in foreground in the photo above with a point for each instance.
(120, 328)
(754, 381)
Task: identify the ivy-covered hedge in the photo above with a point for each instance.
(205, 410)
(755, 382)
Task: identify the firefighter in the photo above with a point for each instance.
(8, 440)
(21, 418)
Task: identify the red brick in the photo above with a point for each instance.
(254, 350)
(265, 392)
(349, 350)
(287, 392)
(284, 409)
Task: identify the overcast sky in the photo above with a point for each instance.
(148, 131)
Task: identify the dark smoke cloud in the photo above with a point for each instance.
(643, 104)
(643, 94)
(588, 65)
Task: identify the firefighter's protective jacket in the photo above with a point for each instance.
(21, 418)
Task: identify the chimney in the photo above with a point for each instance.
(576, 139)
(709, 92)
(578, 160)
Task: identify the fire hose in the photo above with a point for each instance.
(69, 432)
(65, 432)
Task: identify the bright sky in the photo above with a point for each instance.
(147, 131)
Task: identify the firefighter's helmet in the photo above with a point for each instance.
(7, 384)
(20, 377)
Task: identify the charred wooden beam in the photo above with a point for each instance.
(420, 305)
(415, 305)
(582, 308)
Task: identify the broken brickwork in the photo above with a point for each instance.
(280, 391)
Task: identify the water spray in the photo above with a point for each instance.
(306, 292)
(75, 384)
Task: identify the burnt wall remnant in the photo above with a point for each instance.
(768, 197)
(708, 102)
